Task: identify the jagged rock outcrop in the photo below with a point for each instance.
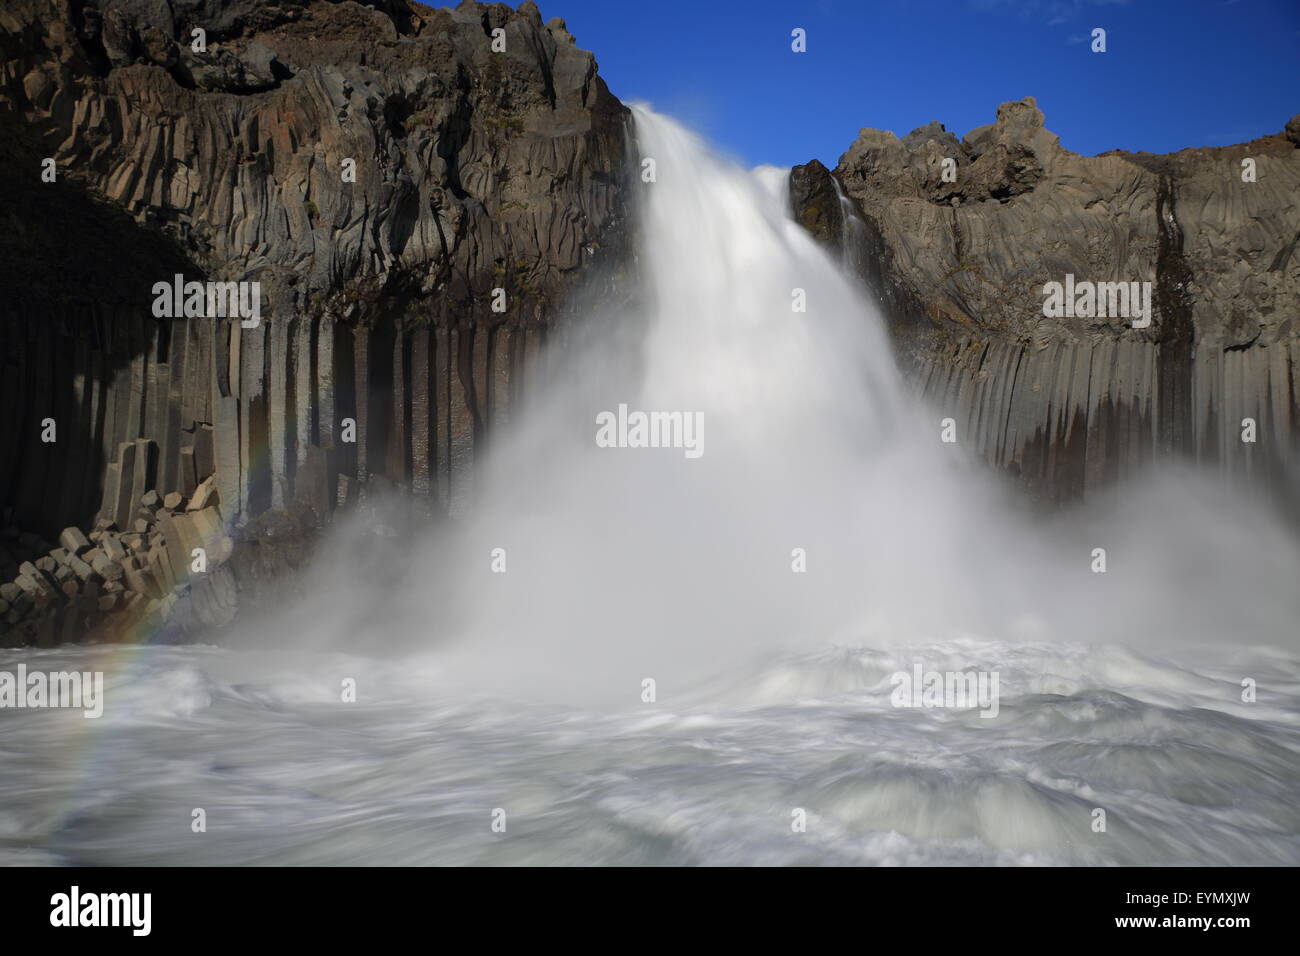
(1069, 403)
(475, 170)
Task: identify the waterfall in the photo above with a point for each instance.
(823, 505)
(853, 244)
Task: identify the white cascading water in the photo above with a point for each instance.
(524, 691)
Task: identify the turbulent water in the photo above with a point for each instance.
(692, 659)
(286, 775)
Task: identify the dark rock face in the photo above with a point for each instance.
(475, 170)
(420, 212)
(1071, 403)
(816, 202)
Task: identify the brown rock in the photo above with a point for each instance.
(1070, 403)
(113, 549)
(81, 569)
(109, 570)
(74, 541)
(205, 495)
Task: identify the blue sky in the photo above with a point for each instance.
(1175, 74)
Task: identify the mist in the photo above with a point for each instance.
(622, 564)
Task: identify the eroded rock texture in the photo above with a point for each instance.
(475, 170)
(1071, 403)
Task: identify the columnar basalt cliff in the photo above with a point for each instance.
(475, 170)
(959, 264)
(379, 170)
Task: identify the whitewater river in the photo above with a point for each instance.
(289, 774)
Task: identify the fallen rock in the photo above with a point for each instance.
(81, 569)
(113, 549)
(74, 541)
(107, 569)
(205, 495)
